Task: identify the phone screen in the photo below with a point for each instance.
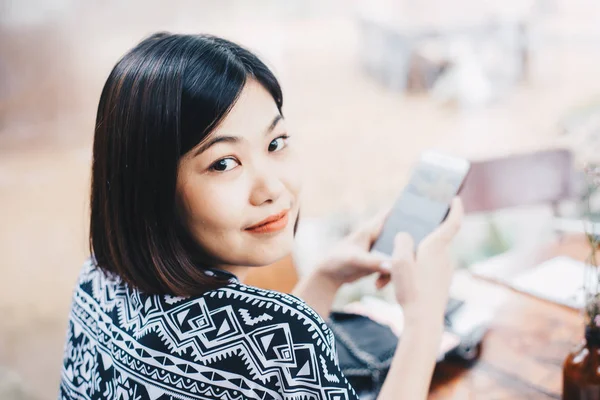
(425, 201)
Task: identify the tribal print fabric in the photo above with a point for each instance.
(236, 342)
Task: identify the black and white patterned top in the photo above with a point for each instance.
(236, 342)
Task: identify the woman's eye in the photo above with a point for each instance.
(225, 164)
(278, 144)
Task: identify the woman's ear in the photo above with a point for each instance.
(296, 223)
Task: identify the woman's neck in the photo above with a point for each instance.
(239, 271)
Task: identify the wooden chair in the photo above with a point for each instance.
(545, 177)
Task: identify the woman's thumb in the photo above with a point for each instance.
(374, 262)
(449, 228)
(404, 248)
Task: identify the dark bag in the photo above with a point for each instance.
(365, 350)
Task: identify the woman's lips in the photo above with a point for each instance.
(274, 223)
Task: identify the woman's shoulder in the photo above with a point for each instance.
(236, 305)
(251, 309)
(266, 304)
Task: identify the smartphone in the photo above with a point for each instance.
(425, 201)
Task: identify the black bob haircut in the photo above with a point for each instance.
(160, 100)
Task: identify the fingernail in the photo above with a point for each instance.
(387, 265)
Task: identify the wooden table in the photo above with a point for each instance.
(523, 352)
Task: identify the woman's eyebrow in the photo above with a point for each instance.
(234, 139)
(214, 140)
(273, 124)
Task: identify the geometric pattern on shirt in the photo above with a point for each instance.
(236, 342)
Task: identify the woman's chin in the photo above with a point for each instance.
(269, 256)
(273, 258)
(261, 250)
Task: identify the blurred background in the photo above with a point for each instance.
(367, 86)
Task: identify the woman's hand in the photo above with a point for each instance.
(422, 281)
(350, 259)
(347, 261)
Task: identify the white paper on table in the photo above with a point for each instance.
(503, 267)
(477, 292)
(559, 280)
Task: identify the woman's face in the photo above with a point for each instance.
(239, 188)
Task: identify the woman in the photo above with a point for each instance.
(194, 182)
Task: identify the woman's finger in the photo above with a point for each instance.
(404, 246)
(450, 227)
(371, 262)
(371, 229)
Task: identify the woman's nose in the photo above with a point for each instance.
(267, 187)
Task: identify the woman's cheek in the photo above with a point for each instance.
(292, 174)
(224, 205)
